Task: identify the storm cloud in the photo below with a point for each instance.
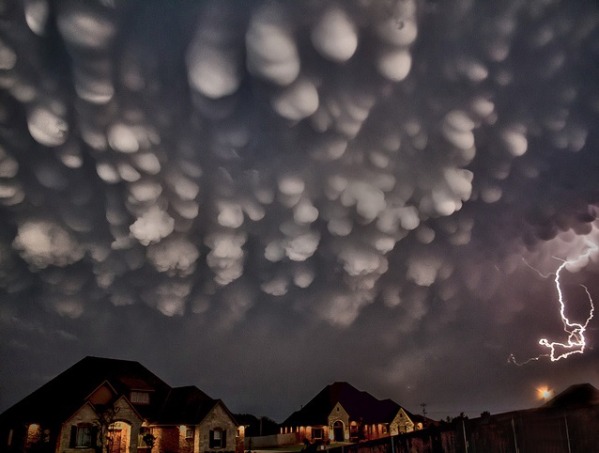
(216, 187)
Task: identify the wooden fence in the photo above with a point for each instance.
(574, 430)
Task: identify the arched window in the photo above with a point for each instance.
(34, 434)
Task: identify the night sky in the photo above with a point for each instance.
(263, 197)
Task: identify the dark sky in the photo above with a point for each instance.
(263, 197)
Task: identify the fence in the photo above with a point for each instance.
(532, 431)
(274, 440)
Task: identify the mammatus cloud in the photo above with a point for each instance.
(327, 157)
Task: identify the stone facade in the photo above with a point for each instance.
(200, 438)
(401, 423)
(126, 419)
(218, 419)
(338, 415)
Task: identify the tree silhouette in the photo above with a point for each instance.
(106, 417)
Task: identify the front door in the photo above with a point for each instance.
(115, 440)
(338, 431)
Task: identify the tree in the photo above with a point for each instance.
(149, 440)
(106, 417)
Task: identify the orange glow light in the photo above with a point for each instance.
(544, 393)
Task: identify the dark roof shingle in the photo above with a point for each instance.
(57, 400)
(359, 404)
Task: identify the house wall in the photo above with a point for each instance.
(338, 414)
(217, 418)
(172, 439)
(376, 431)
(86, 414)
(302, 433)
(102, 395)
(127, 414)
(401, 423)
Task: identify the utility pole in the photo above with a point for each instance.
(423, 405)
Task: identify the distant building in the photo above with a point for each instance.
(118, 406)
(578, 395)
(341, 413)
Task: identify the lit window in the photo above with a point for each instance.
(140, 398)
(34, 432)
(10, 434)
(218, 438)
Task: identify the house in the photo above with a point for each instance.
(122, 406)
(342, 413)
(578, 395)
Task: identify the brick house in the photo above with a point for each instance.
(341, 413)
(122, 405)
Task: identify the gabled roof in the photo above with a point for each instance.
(360, 405)
(186, 405)
(575, 396)
(58, 399)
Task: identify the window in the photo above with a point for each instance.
(82, 435)
(218, 438)
(9, 440)
(34, 434)
(140, 398)
(317, 433)
(189, 431)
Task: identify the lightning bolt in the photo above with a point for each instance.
(575, 343)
